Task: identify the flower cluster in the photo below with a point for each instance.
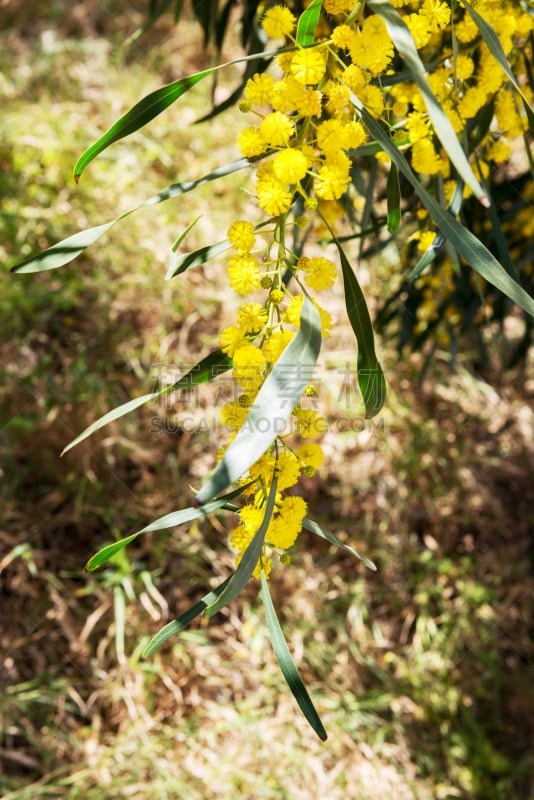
(304, 134)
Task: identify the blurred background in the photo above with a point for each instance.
(422, 672)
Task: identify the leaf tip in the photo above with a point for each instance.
(77, 176)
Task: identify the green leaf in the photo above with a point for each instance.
(64, 252)
(307, 23)
(150, 107)
(370, 376)
(143, 112)
(466, 243)
(250, 558)
(209, 367)
(177, 625)
(403, 41)
(494, 44)
(163, 523)
(393, 196)
(313, 527)
(273, 405)
(68, 249)
(180, 264)
(287, 665)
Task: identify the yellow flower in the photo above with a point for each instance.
(308, 66)
(251, 143)
(336, 7)
(331, 182)
(273, 196)
(311, 455)
(319, 273)
(230, 339)
(424, 157)
(244, 274)
(309, 423)
(343, 36)
(259, 89)
(290, 165)
(252, 317)
(288, 468)
(233, 415)
(278, 22)
(241, 235)
(249, 365)
(277, 129)
(276, 344)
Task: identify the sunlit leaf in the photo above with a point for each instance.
(177, 625)
(313, 527)
(403, 41)
(209, 367)
(308, 22)
(250, 558)
(273, 405)
(287, 665)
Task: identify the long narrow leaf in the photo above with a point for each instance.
(308, 22)
(163, 523)
(250, 558)
(274, 403)
(70, 248)
(287, 665)
(313, 527)
(494, 44)
(63, 252)
(209, 367)
(393, 197)
(179, 264)
(403, 41)
(370, 376)
(177, 625)
(150, 107)
(465, 242)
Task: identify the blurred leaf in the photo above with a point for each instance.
(209, 367)
(307, 23)
(494, 44)
(313, 527)
(393, 197)
(287, 665)
(177, 625)
(370, 376)
(465, 242)
(273, 405)
(250, 558)
(163, 523)
(403, 41)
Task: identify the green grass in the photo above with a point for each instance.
(421, 672)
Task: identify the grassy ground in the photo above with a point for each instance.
(422, 671)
